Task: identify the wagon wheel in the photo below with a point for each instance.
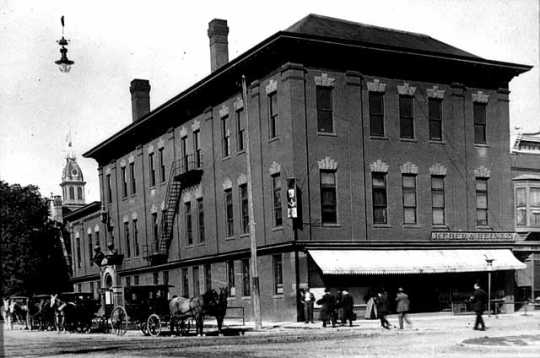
(119, 320)
(153, 325)
(144, 328)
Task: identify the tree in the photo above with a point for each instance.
(31, 255)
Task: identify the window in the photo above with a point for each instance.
(109, 192)
(97, 239)
(126, 236)
(378, 183)
(435, 119)
(534, 203)
(136, 237)
(155, 230)
(230, 277)
(92, 288)
(437, 200)
(79, 194)
(325, 120)
(208, 276)
(78, 240)
(124, 181)
(185, 155)
(408, 188)
(196, 286)
(200, 209)
(152, 169)
(229, 212)
(276, 194)
(376, 114)
(521, 206)
(197, 148)
(406, 122)
(240, 130)
(245, 278)
(79, 287)
(71, 193)
(272, 115)
(90, 256)
(481, 202)
(226, 136)
(161, 165)
(155, 278)
(278, 274)
(244, 208)
(166, 277)
(136, 280)
(189, 226)
(328, 197)
(479, 114)
(132, 178)
(128, 281)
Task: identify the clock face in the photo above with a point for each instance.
(74, 172)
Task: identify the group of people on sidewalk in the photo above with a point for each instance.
(378, 306)
(334, 307)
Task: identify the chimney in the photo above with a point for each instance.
(219, 44)
(140, 98)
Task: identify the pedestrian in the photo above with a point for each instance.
(328, 307)
(339, 306)
(381, 302)
(478, 300)
(347, 306)
(308, 301)
(402, 307)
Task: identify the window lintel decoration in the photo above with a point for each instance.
(162, 205)
(151, 148)
(123, 163)
(131, 158)
(125, 218)
(435, 92)
(197, 192)
(161, 143)
(89, 231)
(409, 168)
(482, 172)
(227, 184)
(238, 103)
(108, 171)
(376, 86)
(406, 89)
(324, 81)
(379, 166)
(271, 86)
(196, 125)
(480, 97)
(76, 234)
(223, 111)
(183, 132)
(275, 168)
(96, 228)
(133, 216)
(438, 169)
(153, 209)
(242, 179)
(187, 197)
(327, 164)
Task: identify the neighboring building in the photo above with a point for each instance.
(526, 178)
(394, 140)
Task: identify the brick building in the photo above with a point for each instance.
(394, 139)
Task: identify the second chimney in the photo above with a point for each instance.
(140, 98)
(218, 32)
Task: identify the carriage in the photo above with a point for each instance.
(16, 311)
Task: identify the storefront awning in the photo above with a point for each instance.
(358, 262)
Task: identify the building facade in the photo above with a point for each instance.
(393, 142)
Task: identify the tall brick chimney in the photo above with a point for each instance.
(218, 32)
(140, 98)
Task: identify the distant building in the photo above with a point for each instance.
(396, 143)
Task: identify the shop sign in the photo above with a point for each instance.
(472, 236)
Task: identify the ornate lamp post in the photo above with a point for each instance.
(489, 262)
(64, 63)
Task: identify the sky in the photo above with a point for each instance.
(113, 42)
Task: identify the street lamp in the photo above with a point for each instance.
(489, 262)
(64, 63)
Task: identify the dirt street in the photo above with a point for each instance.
(512, 335)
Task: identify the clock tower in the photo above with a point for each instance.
(72, 184)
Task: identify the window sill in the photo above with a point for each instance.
(124, 198)
(244, 235)
(381, 226)
(441, 227)
(410, 140)
(230, 298)
(243, 151)
(246, 298)
(201, 244)
(411, 226)
(481, 145)
(226, 158)
(277, 228)
(330, 225)
(484, 228)
(228, 238)
(278, 295)
(270, 140)
(433, 141)
(327, 134)
(378, 137)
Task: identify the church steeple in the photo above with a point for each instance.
(72, 182)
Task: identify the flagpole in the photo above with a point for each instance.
(255, 294)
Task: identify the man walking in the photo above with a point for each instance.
(347, 305)
(381, 302)
(478, 300)
(402, 307)
(308, 301)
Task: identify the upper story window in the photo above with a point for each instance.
(135, 237)
(90, 251)
(161, 165)
(155, 230)
(126, 237)
(406, 119)
(435, 119)
(378, 184)
(328, 197)
(229, 218)
(185, 154)
(437, 199)
(276, 195)
(188, 222)
(521, 206)
(200, 209)
(197, 147)
(71, 193)
(124, 182)
(272, 115)
(132, 178)
(226, 136)
(481, 201)
(244, 208)
(409, 198)
(325, 120)
(79, 193)
(479, 114)
(152, 169)
(376, 114)
(108, 187)
(240, 130)
(79, 261)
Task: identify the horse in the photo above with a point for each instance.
(41, 313)
(15, 312)
(64, 313)
(210, 303)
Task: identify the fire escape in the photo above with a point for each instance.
(185, 172)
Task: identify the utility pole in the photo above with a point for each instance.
(255, 294)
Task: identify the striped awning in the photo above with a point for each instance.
(358, 262)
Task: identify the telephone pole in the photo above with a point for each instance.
(255, 294)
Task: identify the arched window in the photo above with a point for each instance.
(71, 193)
(79, 193)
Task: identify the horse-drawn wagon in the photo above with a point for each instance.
(75, 311)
